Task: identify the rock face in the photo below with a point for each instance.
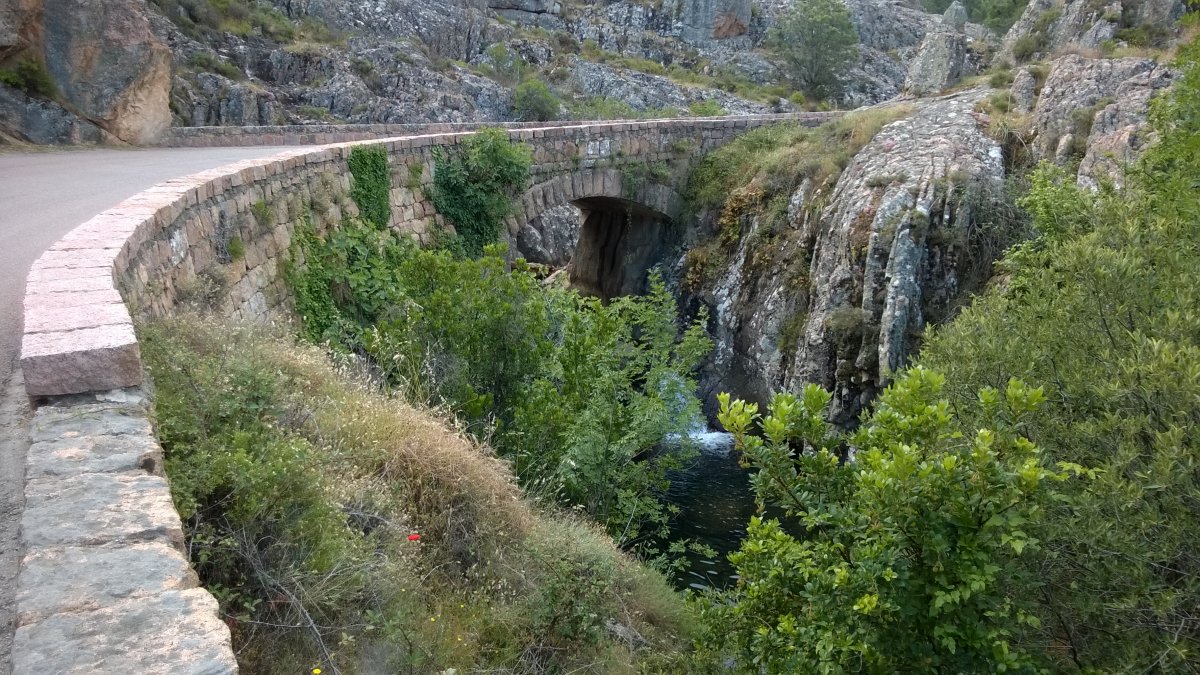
(653, 92)
(109, 66)
(1095, 111)
(707, 21)
(550, 238)
(43, 122)
(942, 58)
(850, 288)
(1047, 26)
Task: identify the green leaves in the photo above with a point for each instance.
(473, 187)
(372, 183)
(905, 557)
(818, 42)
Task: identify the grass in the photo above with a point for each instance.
(214, 64)
(777, 158)
(300, 486)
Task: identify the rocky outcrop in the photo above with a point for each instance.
(942, 58)
(706, 22)
(1094, 111)
(30, 120)
(1076, 91)
(1049, 26)
(643, 92)
(108, 66)
(842, 297)
(550, 238)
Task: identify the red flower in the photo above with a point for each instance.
(414, 537)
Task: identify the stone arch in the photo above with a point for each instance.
(622, 226)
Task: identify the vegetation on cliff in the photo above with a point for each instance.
(960, 535)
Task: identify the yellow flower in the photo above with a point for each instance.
(316, 671)
(433, 618)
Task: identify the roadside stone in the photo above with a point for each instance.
(97, 508)
(72, 362)
(175, 633)
(75, 579)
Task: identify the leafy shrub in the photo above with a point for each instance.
(1102, 310)
(706, 108)
(578, 394)
(903, 559)
(998, 15)
(30, 76)
(533, 102)
(817, 41)
(299, 488)
(474, 185)
(371, 183)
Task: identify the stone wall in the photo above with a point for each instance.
(104, 582)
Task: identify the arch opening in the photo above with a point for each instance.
(619, 241)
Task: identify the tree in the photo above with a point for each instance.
(817, 41)
(533, 102)
(903, 559)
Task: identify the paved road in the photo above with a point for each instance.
(42, 196)
(45, 194)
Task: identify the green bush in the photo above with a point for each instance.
(905, 558)
(1102, 310)
(575, 392)
(474, 185)
(371, 183)
(533, 102)
(998, 15)
(817, 41)
(30, 76)
(299, 488)
(706, 108)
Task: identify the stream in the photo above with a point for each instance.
(715, 501)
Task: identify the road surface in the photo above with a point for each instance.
(43, 195)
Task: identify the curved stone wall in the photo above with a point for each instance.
(105, 582)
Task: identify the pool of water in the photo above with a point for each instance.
(715, 501)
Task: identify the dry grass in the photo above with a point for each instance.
(502, 583)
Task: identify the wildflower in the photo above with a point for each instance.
(414, 537)
(316, 671)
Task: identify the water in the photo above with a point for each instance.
(715, 501)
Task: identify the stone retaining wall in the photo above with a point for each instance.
(104, 584)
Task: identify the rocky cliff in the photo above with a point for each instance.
(123, 70)
(914, 222)
(83, 71)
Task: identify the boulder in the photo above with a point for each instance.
(109, 66)
(1119, 131)
(941, 60)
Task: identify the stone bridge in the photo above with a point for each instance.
(104, 580)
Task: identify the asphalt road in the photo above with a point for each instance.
(43, 195)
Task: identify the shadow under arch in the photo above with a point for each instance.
(619, 242)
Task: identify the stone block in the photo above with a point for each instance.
(98, 508)
(72, 362)
(43, 314)
(176, 633)
(75, 579)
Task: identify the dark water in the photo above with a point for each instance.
(716, 503)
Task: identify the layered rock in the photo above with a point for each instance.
(842, 297)
(1094, 111)
(1075, 86)
(643, 92)
(1050, 26)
